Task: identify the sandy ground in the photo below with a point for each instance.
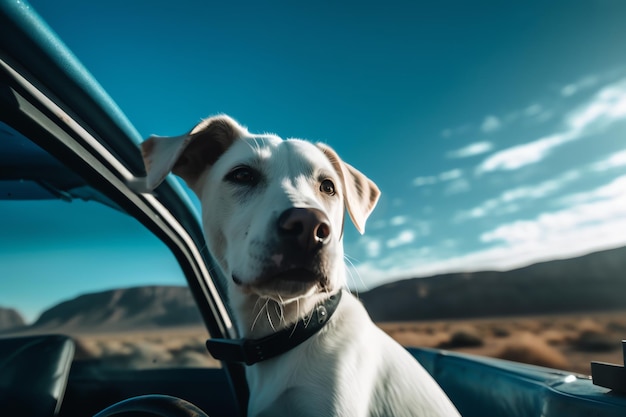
(568, 342)
(144, 349)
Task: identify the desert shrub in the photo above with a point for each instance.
(500, 331)
(429, 330)
(463, 337)
(569, 325)
(617, 326)
(529, 325)
(528, 348)
(594, 341)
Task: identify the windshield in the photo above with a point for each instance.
(497, 134)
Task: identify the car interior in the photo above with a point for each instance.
(63, 141)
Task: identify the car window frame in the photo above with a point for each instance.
(31, 107)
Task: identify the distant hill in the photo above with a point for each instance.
(122, 309)
(10, 318)
(592, 282)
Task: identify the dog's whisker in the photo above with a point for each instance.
(278, 309)
(259, 313)
(269, 317)
(308, 318)
(353, 270)
(297, 317)
(349, 267)
(257, 304)
(281, 315)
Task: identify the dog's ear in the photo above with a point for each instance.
(189, 155)
(360, 193)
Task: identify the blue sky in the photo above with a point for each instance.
(495, 130)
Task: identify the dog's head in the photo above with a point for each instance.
(272, 209)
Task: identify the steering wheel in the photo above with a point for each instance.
(157, 405)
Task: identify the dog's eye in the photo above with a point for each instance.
(243, 175)
(327, 187)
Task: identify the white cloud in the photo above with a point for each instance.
(598, 222)
(582, 84)
(590, 210)
(608, 105)
(398, 220)
(434, 179)
(573, 225)
(421, 181)
(377, 224)
(522, 155)
(472, 149)
(404, 238)
(533, 110)
(504, 202)
(542, 189)
(614, 189)
(454, 131)
(563, 225)
(490, 124)
(615, 160)
(538, 113)
(450, 175)
(605, 108)
(458, 186)
(422, 227)
(567, 243)
(373, 248)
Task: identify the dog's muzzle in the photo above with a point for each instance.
(306, 228)
(296, 258)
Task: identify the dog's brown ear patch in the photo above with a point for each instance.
(191, 154)
(360, 193)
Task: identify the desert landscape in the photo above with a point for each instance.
(568, 342)
(145, 349)
(560, 314)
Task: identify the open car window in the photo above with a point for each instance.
(73, 262)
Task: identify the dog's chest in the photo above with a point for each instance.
(292, 386)
(333, 373)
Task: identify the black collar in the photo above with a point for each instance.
(251, 351)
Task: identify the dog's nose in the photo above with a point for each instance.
(308, 227)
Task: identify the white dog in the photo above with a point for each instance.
(273, 217)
